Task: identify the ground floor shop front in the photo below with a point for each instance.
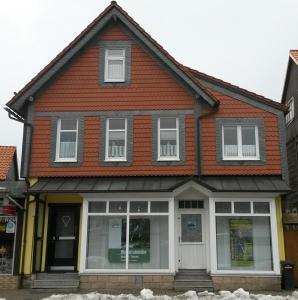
(144, 239)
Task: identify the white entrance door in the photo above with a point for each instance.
(191, 240)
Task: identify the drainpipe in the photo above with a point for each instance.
(16, 117)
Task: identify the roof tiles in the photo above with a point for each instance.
(294, 55)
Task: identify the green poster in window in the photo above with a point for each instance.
(241, 241)
(139, 241)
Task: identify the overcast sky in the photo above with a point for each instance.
(245, 42)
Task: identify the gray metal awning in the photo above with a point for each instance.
(159, 184)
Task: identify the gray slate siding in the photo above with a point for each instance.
(80, 145)
(103, 45)
(240, 121)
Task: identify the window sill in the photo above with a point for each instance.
(115, 160)
(114, 81)
(65, 161)
(168, 159)
(241, 159)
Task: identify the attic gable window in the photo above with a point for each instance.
(114, 65)
(67, 140)
(290, 115)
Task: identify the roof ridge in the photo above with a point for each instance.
(236, 88)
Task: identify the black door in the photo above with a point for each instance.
(63, 230)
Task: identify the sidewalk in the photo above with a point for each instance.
(27, 294)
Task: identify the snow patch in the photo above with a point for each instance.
(147, 294)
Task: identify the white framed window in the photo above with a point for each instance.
(126, 235)
(168, 138)
(240, 142)
(291, 113)
(114, 65)
(245, 236)
(67, 140)
(116, 139)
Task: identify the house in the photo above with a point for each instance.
(290, 216)
(147, 173)
(11, 217)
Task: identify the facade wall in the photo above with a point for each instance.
(251, 283)
(233, 108)
(123, 283)
(9, 282)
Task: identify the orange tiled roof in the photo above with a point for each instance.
(6, 156)
(294, 55)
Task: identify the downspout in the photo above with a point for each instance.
(202, 116)
(16, 117)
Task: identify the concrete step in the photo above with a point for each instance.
(192, 276)
(49, 291)
(193, 288)
(200, 283)
(56, 276)
(55, 284)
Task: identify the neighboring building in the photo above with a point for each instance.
(11, 217)
(142, 169)
(290, 207)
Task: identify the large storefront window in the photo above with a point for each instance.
(7, 240)
(128, 235)
(243, 236)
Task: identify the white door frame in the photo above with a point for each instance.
(205, 229)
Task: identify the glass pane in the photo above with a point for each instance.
(116, 144)
(69, 124)
(261, 207)
(115, 69)
(242, 207)
(97, 207)
(187, 204)
(138, 206)
(181, 204)
(223, 207)
(191, 228)
(65, 225)
(159, 206)
(148, 242)
(230, 141)
(68, 143)
(117, 206)
(168, 143)
(115, 52)
(243, 243)
(168, 123)
(106, 242)
(7, 236)
(248, 141)
(117, 124)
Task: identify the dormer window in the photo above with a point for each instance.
(114, 65)
(290, 115)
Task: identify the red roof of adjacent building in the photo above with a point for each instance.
(294, 55)
(6, 157)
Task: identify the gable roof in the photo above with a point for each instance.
(6, 159)
(112, 13)
(226, 85)
(293, 59)
(192, 78)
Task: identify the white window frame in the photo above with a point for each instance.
(291, 113)
(273, 232)
(108, 130)
(109, 58)
(168, 158)
(239, 144)
(86, 214)
(58, 141)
